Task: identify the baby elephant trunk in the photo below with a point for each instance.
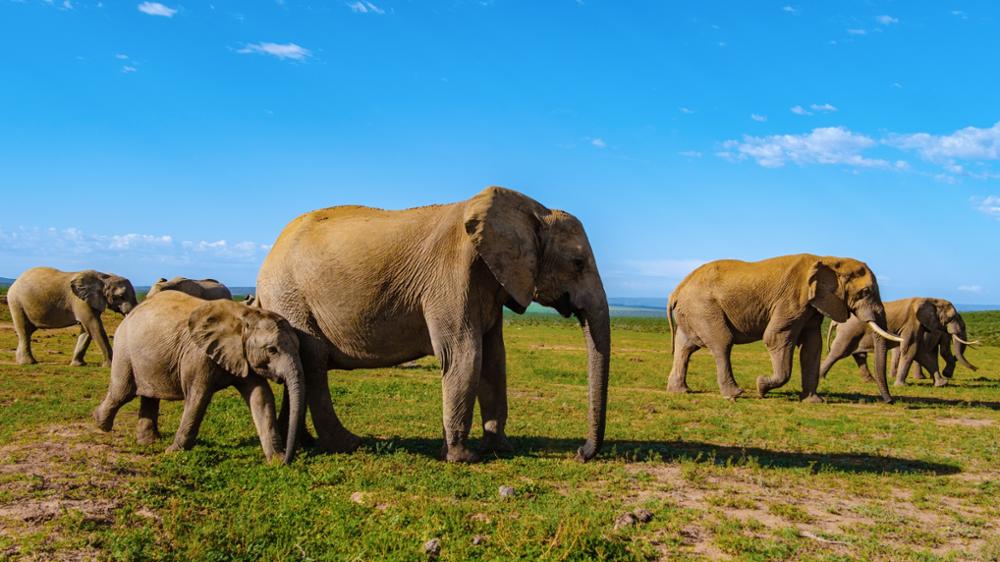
(296, 397)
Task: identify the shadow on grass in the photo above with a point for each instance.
(673, 451)
(916, 400)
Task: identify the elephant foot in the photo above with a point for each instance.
(731, 392)
(899, 382)
(26, 360)
(174, 448)
(78, 363)
(941, 382)
(495, 443)
(459, 453)
(147, 437)
(342, 441)
(104, 423)
(762, 387)
(678, 387)
(812, 398)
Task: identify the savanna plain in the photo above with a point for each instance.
(751, 479)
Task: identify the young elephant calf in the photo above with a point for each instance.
(178, 347)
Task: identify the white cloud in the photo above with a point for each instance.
(960, 14)
(886, 20)
(825, 108)
(758, 118)
(280, 50)
(974, 289)
(685, 110)
(690, 153)
(856, 32)
(799, 110)
(156, 9)
(121, 56)
(825, 145)
(989, 205)
(790, 10)
(970, 143)
(129, 69)
(598, 142)
(365, 8)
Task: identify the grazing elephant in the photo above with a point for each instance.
(780, 300)
(43, 297)
(208, 289)
(922, 324)
(369, 288)
(178, 347)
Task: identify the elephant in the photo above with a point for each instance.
(370, 288)
(179, 347)
(781, 300)
(43, 297)
(208, 289)
(924, 324)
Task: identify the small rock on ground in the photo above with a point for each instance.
(506, 492)
(478, 540)
(433, 548)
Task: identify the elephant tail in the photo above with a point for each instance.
(671, 303)
(829, 335)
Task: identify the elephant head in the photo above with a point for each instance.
(839, 287)
(541, 255)
(244, 340)
(104, 290)
(939, 315)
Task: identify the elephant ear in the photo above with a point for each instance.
(927, 315)
(218, 331)
(503, 226)
(826, 294)
(89, 287)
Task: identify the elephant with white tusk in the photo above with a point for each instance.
(178, 347)
(208, 289)
(43, 297)
(924, 326)
(369, 288)
(780, 300)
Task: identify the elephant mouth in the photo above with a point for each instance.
(564, 306)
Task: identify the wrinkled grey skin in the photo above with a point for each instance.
(926, 326)
(368, 288)
(208, 289)
(43, 297)
(178, 347)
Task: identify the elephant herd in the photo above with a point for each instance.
(355, 287)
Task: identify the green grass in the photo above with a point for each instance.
(754, 479)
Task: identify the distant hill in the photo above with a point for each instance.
(5, 281)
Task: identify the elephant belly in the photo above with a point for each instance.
(154, 379)
(380, 345)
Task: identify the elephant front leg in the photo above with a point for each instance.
(331, 435)
(95, 329)
(811, 342)
(259, 397)
(82, 343)
(781, 346)
(493, 393)
(861, 359)
(195, 404)
(461, 364)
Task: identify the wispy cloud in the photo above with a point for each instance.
(857, 31)
(598, 142)
(365, 8)
(790, 10)
(799, 110)
(289, 51)
(825, 145)
(690, 153)
(969, 143)
(121, 56)
(758, 118)
(960, 14)
(886, 20)
(989, 205)
(156, 9)
(972, 289)
(685, 110)
(824, 108)
(129, 69)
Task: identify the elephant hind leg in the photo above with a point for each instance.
(82, 343)
(121, 391)
(24, 328)
(839, 349)
(861, 359)
(724, 371)
(683, 349)
(147, 429)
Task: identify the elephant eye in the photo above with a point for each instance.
(272, 350)
(579, 264)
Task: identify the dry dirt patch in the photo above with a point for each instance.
(56, 472)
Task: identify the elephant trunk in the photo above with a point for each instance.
(597, 330)
(958, 348)
(295, 390)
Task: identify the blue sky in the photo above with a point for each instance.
(178, 138)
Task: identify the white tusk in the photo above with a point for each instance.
(960, 340)
(883, 333)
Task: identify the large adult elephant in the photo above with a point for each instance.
(208, 289)
(923, 325)
(780, 300)
(43, 297)
(369, 288)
